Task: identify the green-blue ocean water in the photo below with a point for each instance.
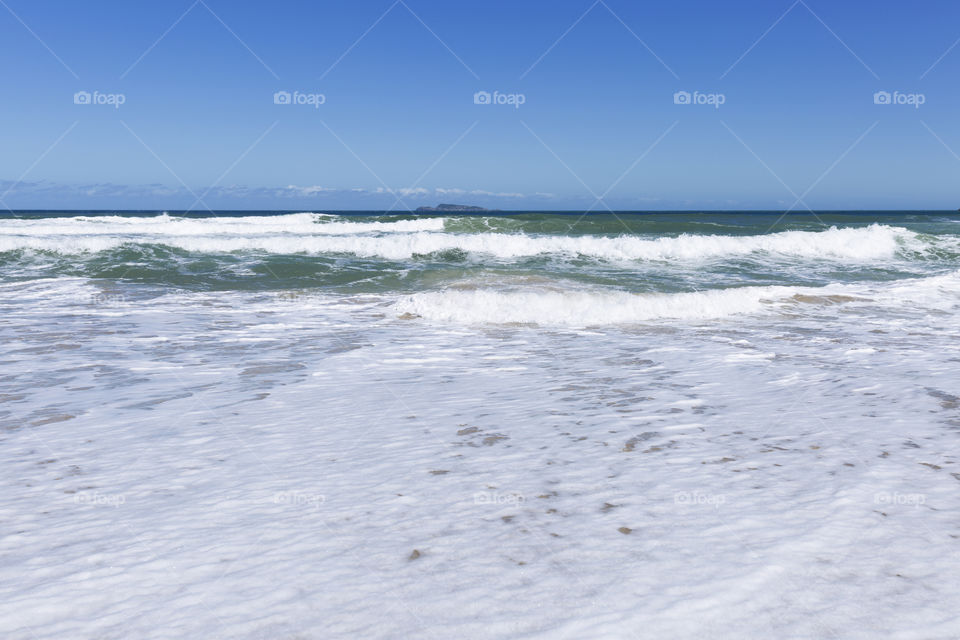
(377, 252)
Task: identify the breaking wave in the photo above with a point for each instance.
(313, 234)
(581, 308)
(166, 229)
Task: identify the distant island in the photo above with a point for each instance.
(459, 208)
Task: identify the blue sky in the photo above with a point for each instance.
(399, 127)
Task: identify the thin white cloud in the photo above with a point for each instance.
(28, 191)
(309, 191)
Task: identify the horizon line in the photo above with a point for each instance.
(482, 212)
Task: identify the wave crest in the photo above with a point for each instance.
(407, 239)
(580, 308)
(583, 308)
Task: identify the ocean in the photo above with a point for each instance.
(523, 425)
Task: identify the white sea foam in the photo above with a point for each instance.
(405, 239)
(581, 308)
(552, 307)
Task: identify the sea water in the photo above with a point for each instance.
(539, 425)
